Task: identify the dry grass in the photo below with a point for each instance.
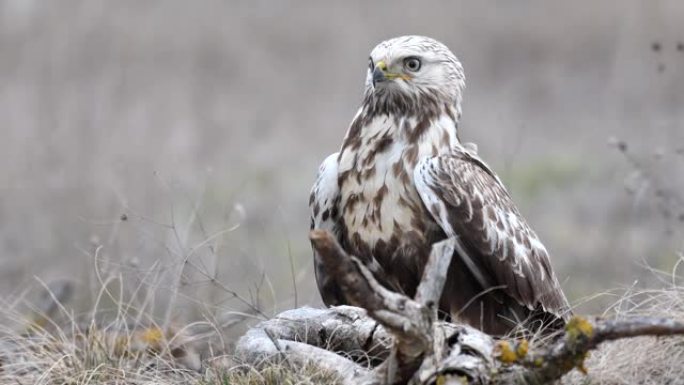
(100, 100)
(643, 360)
(57, 347)
(173, 322)
(271, 375)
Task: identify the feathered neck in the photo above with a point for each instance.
(405, 120)
(424, 103)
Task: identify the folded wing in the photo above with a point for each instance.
(471, 204)
(323, 202)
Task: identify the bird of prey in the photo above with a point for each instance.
(402, 181)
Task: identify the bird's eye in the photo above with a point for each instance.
(370, 64)
(412, 64)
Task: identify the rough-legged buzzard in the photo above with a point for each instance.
(403, 181)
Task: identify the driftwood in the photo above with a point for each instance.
(388, 338)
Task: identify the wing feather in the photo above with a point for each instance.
(324, 204)
(471, 204)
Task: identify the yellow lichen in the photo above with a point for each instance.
(538, 362)
(579, 327)
(581, 367)
(508, 354)
(449, 379)
(522, 348)
(505, 352)
(152, 336)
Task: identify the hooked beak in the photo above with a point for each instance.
(380, 74)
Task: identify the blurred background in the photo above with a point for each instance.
(173, 143)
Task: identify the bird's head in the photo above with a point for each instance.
(411, 70)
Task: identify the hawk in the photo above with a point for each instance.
(403, 180)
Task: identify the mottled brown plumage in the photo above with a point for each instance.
(403, 181)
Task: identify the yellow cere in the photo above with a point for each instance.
(390, 75)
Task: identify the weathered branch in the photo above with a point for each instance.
(411, 322)
(358, 343)
(434, 276)
(423, 350)
(342, 340)
(582, 336)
